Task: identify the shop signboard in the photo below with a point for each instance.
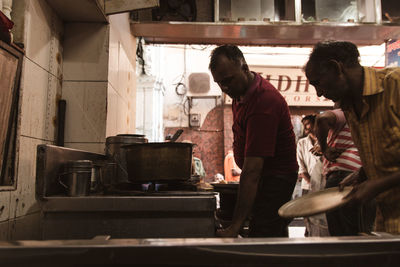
(293, 85)
(393, 53)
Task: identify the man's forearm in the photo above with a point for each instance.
(388, 182)
(246, 196)
(322, 135)
(323, 123)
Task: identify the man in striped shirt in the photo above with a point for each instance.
(370, 99)
(340, 160)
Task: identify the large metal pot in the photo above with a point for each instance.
(159, 162)
(116, 154)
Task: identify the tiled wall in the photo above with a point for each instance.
(99, 82)
(121, 92)
(85, 82)
(69, 61)
(41, 32)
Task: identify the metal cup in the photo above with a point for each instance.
(78, 177)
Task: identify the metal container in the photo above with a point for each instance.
(116, 154)
(77, 177)
(159, 162)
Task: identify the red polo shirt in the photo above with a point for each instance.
(262, 128)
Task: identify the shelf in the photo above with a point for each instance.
(284, 33)
(79, 11)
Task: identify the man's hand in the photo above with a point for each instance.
(369, 189)
(362, 192)
(332, 153)
(305, 176)
(316, 150)
(351, 180)
(227, 232)
(236, 172)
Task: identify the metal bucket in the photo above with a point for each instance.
(159, 162)
(116, 154)
(77, 177)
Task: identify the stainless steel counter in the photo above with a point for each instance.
(345, 251)
(128, 216)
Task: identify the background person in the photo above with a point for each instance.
(197, 164)
(310, 170)
(232, 171)
(305, 158)
(340, 160)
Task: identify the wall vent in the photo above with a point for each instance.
(199, 83)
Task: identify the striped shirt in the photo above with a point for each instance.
(340, 137)
(377, 137)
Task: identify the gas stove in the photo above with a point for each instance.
(180, 188)
(173, 210)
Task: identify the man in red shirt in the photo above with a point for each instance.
(264, 145)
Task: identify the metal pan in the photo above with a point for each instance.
(315, 203)
(159, 162)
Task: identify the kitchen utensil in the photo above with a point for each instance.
(159, 161)
(315, 203)
(176, 135)
(96, 181)
(116, 154)
(78, 177)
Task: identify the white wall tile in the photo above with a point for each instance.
(4, 206)
(122, 85)
(4, 230)
(53, 95)
(25, 227)
(113, 60)
(112, 108)
(34, 84)
(40, 91)
(124, 67)
(86, 111)
(121, 101)
(121, 31)
(86, 52)
(122, 116)
(22, 200)
(56, 49)
(43, 32)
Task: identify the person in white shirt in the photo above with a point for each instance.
(310, 171)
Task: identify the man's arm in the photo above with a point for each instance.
(303, 173)
(248, 188)
(371, 188)
(323, 123)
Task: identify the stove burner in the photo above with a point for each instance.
(186, 188)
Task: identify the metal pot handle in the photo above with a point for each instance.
(117, 161)
(60, 182)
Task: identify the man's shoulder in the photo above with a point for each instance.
(267, 92)
(390, 73)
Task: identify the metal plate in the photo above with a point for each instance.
(315, 203)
